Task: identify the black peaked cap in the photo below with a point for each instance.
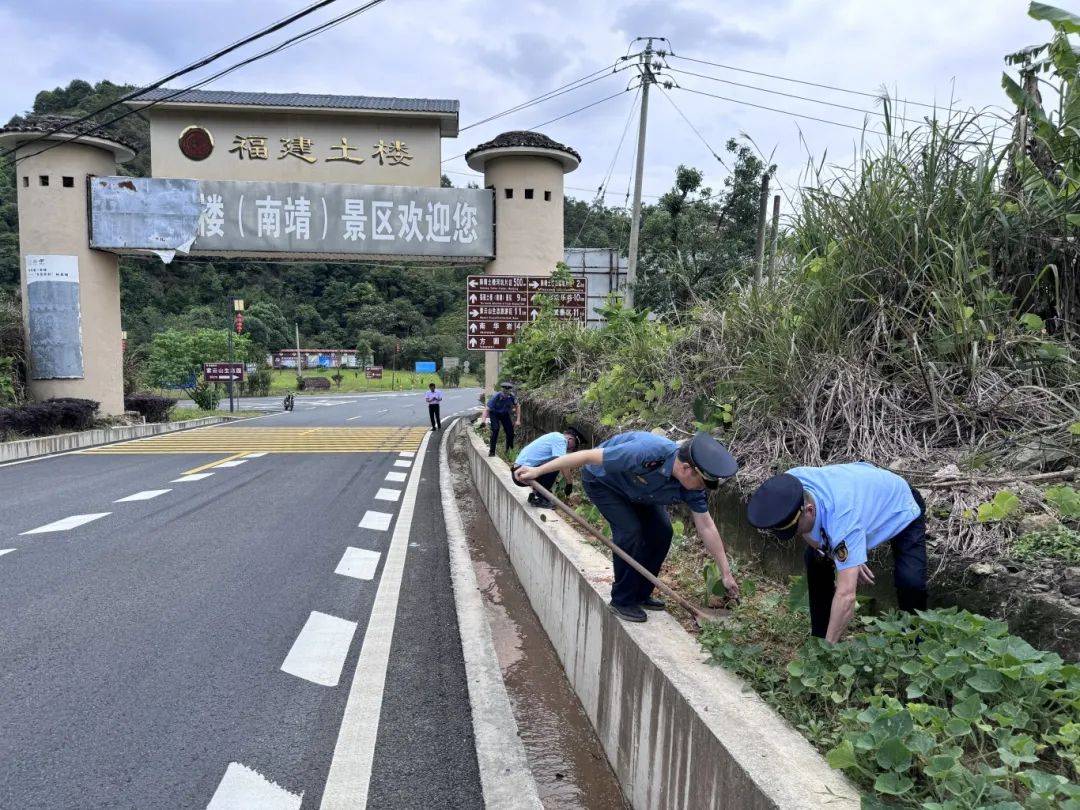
(775, 504)
(711, 457)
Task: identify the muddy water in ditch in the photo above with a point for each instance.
(563, 751)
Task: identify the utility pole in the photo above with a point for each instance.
(647, 78)
(773, 236)
(759, 244)
(231, 401)
(299, 362)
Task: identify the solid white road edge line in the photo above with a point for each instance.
(241, 787)
(350, 770)
(65, 524)
(145, 495)
(319, 652)
(505, 777)
(358, 563)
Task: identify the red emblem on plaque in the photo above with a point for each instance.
(196, 143)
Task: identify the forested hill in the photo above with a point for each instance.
(335, 305)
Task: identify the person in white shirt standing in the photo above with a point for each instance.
(433, 398)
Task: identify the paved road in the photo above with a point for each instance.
(410, 403)
(216, 618)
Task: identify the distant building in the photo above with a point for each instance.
(316, 358)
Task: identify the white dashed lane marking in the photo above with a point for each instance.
(187, 479)
(145, 495)
(255, 455)
(380, 521)
(67, 523)
(358, 563)
(241, 787)
(385, 494)
(403, 463)
(236, 462)
(4, 551)
(318, 653)
(407, 454)
(396, 476)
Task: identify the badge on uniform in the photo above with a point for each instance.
(840, 552)
(641, 480)
(652, 465)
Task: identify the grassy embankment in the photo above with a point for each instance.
(353, 381)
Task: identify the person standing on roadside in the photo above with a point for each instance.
(505, 412)
(631, 478)
(434, 399)
(841, 511)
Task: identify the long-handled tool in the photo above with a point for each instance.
(702, 614)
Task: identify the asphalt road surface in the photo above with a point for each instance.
(251, 615)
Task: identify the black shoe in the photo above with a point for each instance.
(628, 613)
(536, 499)
(491, 453)
(652, 603)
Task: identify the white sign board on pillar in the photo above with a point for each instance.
(54, 318)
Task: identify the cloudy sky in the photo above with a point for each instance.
(495, 54)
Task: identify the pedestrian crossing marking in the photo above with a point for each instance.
(235, 440)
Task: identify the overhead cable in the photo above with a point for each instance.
(203, 62)
(311, 32)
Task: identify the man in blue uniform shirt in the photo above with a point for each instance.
(505, 412)
(631, 478)
(842, 511)
(542, 450)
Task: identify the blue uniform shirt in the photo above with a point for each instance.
(638, 466)
(858, 505)
(501, 403)
(542, 450)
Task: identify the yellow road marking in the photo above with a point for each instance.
(271, 440)
(213, 464)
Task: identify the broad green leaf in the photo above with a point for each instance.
(894, 755)
(893, 784)
(1032, 322)
(842, 756)
(986, 681)
(1059, 18)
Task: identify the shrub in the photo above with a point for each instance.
(154, 408)
(43, 418)
(1060, 541)
(205, 395)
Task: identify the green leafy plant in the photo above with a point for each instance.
(1065, 499)
(1060, 541)
(1004, 505)
(940, 710)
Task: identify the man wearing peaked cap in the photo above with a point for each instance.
(631, 478)
(842, 511)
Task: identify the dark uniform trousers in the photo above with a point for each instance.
(909, 573)
(433, 415)
(642, 530)
(547, 480)
(506, 422)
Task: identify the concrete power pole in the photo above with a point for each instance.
(759, 245)
(773, 234)
(299, 362)
(647, 79)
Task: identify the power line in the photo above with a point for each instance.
(803, 81)
(558, 91)
(772, 109)
(701, 137)
(311, 32)
(558, 118)
(798, 97)
(203, 62)
(611, 168)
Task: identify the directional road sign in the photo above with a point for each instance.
(223, 372)
(500, 306)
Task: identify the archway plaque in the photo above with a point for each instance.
(264, 218)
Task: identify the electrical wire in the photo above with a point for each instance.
(611, 168)
(701, 137)
(772, 109)
(558, 118)
(804, 82)
(285, 44)
(558, 91)
(203, 62)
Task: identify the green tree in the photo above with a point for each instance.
(176, 356)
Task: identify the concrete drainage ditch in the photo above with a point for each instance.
(676, 732)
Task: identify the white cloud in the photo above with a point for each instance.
(493, 54)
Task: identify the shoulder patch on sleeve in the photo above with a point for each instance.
(653, 465)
